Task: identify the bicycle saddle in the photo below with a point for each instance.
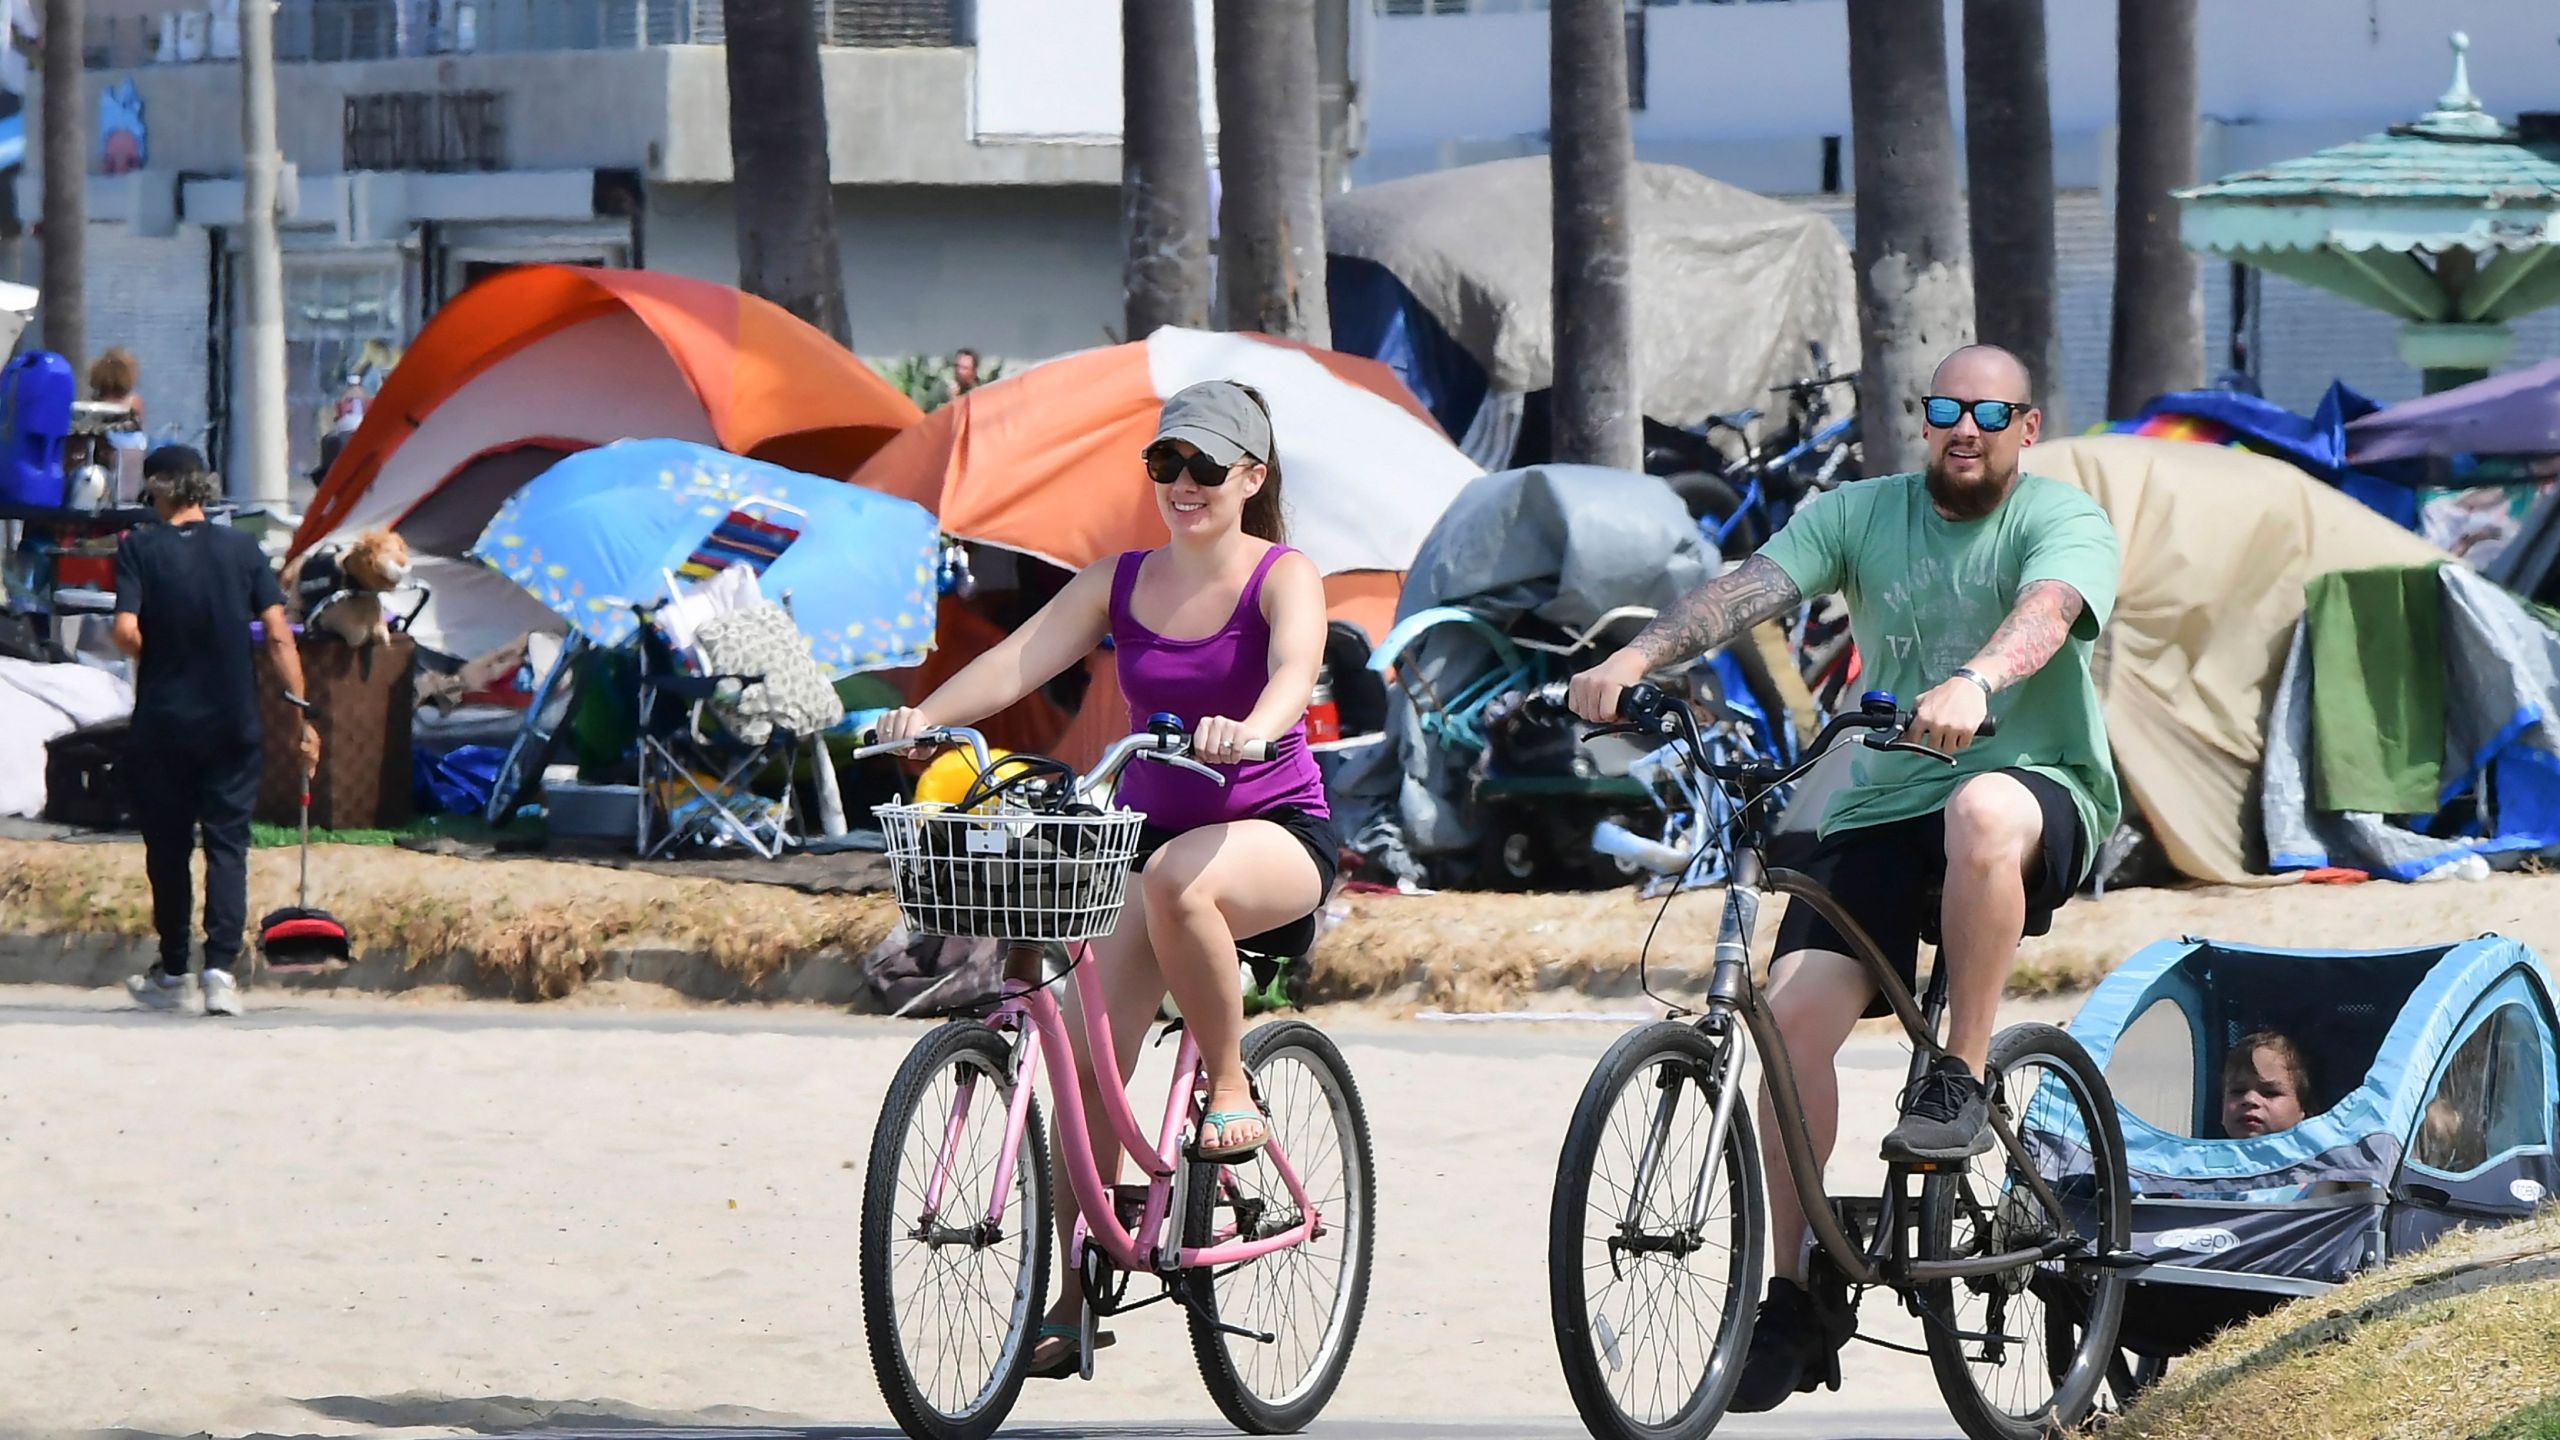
(1734, 419)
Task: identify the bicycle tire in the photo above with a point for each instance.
(2093, 1306)
(1585, 1344)
(959, 1043)
(1237, 1394)
(1715, 499)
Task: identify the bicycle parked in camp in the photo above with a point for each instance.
(1267, 1255)
(1739, 502)
(2012, 1259)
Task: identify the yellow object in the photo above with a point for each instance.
(947, 780)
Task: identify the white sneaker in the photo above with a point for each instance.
(154, 991)
(221, 993)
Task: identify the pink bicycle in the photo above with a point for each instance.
(1268, 1256)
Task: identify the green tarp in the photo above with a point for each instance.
(2377, 689)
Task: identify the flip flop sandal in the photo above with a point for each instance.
(1068, 1363)
(1228, 1156)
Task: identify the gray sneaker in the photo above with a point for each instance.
(154, 991)
(221, 992)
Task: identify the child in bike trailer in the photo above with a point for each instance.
(1979, 590)
(1225, 627)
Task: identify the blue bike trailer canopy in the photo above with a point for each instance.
(2389, 1037)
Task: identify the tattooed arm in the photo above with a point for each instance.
(1696, 623)
(2038, 622)
(2032, 634)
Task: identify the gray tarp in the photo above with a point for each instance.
(1729, 285)
(2502, 702)
(1564, 544)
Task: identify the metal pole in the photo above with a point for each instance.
(262, 388)
(66, 200)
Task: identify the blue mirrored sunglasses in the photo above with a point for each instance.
(1942, 412)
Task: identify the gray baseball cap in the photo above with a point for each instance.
(1218, 418)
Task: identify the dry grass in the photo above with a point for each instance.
(543, 926)
(2443, 1367)
(539, 928)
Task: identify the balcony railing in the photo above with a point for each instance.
(328, 30)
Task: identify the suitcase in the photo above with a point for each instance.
(84, 777)
(362, 701)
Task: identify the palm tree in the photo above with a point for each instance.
(1271, 164)
(2008, 147)
(784, 197)
(1915, 292)
(66, 172)
(1164, 176)
(2157, 341)
(1597, 410)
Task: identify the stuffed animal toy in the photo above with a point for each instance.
(339, 588)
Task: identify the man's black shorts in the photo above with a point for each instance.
(1883, 874)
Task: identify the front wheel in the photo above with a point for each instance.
(1654, 1240)
(954, 1270)
(2021, 1353)
(1308, 1297)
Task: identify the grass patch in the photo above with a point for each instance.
(2542, 1422)
(263, 836)
(2357, 1363)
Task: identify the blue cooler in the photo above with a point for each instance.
(35, 415)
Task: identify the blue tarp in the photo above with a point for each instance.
(1373, 314)
(2315, 443)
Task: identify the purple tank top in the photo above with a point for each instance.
(1221, 674)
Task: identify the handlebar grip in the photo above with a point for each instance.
(1254, 750)
(1987, 729)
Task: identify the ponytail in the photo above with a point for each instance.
(1263, 516)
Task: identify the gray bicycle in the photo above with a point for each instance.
(2011, 1260)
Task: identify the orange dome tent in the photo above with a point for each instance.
(544, 360)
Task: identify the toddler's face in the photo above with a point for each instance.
(2260, 1099)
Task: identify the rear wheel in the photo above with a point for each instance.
(1309, 1297)
(1653, 1243)
(2021, 1353)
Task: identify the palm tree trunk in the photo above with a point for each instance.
(1597, 410)
(2008, 149)
(1915, 293)
(1271, 163)
(784, 197)
(66, 174)
(1164, 174)
(2157, 342)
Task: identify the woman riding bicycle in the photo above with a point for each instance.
(1225, 627)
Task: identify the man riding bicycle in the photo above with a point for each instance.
(1979, 590)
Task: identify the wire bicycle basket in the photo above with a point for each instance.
(1009, 873)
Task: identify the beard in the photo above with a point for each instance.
(1960, 499)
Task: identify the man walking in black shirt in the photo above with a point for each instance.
(186, 592)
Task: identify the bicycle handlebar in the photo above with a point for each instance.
(1164, 742)
(1649, 710)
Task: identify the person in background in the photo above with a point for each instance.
(964, 371)
(113, 377)
(2265, 1085)
(187, 591)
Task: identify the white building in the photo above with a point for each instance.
(974, 146)
(1757, 93)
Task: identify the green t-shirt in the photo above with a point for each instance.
(1925, 593)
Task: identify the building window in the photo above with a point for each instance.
(345, 324)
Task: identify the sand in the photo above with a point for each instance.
(363, 1214)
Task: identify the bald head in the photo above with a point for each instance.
(1973, 460)
(1983, 372)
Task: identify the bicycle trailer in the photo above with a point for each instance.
(2430, 1105)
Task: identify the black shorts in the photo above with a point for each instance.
(1324, 846)
(1884, 874)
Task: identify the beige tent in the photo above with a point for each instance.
(2218, 544)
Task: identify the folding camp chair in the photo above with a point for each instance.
(727, 688)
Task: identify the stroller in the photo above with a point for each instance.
(2431, 1106)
